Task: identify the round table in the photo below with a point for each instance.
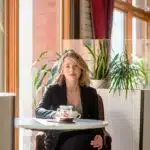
(44, 124)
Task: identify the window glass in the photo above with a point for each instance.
(140, 43)
(139, 38)
(140, 4)
(118, 30)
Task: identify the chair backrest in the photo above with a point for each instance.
(101, 108)
(7, 121)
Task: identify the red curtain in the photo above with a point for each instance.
(102, 14)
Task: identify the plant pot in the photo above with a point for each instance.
(99, 84)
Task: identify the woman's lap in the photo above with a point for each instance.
(75, 142)
(72, 140)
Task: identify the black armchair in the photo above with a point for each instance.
(39, 140)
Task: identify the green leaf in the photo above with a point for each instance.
(126, 75)
(89, 47)
(42, 55)
(40, 81)
(37, 76)
(112, 63)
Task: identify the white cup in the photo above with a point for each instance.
(65, 111)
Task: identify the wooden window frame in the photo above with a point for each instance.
(71, 19)
(131, 11)
(11, 42)
(66, 19)
(128, 7)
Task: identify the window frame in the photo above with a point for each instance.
(126, 7)
(11, 44)
(132, 11)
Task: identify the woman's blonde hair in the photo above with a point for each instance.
(84, 78)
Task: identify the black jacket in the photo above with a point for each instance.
(56, 95)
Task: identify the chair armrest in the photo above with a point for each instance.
(107, 140)
(39, 141)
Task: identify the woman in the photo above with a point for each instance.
(70, 87)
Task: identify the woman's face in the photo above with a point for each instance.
(71, 70)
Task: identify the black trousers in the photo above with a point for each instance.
(75, 141)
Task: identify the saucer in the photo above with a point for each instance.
(65, 120)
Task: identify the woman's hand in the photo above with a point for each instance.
(97, 142)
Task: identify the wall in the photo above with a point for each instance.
(46, 27)
(77, 45)
(128, 120)
(146, 133)
(6, 119)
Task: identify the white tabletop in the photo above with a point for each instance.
(43, 124)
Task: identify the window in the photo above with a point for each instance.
(140, 4)
(139, 38)
(134, 26)
(118, 32)
(131, 29)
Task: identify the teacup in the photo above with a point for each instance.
(75, 115)
(65, 111)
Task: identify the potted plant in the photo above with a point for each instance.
(101, 64)
(125, 75)
(43, 77)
